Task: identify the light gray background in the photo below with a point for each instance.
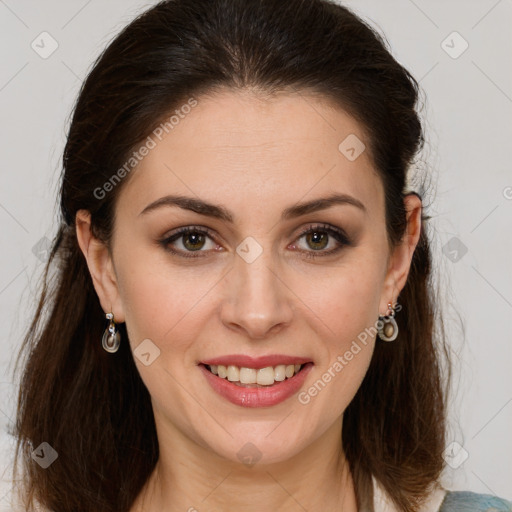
(467, 112)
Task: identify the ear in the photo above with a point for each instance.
(101, 267)
(401, 257)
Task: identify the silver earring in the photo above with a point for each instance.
(386, 325)
(111, 337)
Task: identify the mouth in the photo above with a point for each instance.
(258, 384)
(255, 377)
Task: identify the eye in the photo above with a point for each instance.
(318, 238)
(191, 238)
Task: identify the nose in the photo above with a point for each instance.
(257, 301)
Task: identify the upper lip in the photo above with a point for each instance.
(246, 361)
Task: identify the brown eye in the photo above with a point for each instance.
(318, 237)
(192, 239)
(317, 240)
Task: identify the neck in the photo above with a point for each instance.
(190, 478)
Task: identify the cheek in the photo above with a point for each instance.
(157, 298)
(346, 299)
(352, 322)
(345, 313)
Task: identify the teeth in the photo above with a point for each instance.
(248, 375)
(262, 376)
(265, 376)
(233, 373)
(280, 372)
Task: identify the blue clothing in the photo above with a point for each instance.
(465, 501)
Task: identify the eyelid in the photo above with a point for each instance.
(176, 234)
(337, 233)
(325, 227)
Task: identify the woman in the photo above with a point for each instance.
(241, 315)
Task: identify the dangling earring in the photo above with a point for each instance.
(111, 337)
(386, 325)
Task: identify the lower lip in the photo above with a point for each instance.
(257, 397)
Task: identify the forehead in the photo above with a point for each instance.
(241, 148)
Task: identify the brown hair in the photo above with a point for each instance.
(92, 407)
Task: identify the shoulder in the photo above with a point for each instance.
(466, 501)
(442, 500)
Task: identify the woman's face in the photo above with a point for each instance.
(245, 282)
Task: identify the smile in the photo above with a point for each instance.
(262, 382)
(252, 377)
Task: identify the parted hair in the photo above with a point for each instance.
(92, 407)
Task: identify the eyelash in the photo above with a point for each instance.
(338, 234)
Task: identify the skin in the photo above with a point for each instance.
(255, 156)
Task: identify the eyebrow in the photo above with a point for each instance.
(220, 212)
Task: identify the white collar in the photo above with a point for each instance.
(383, 503)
